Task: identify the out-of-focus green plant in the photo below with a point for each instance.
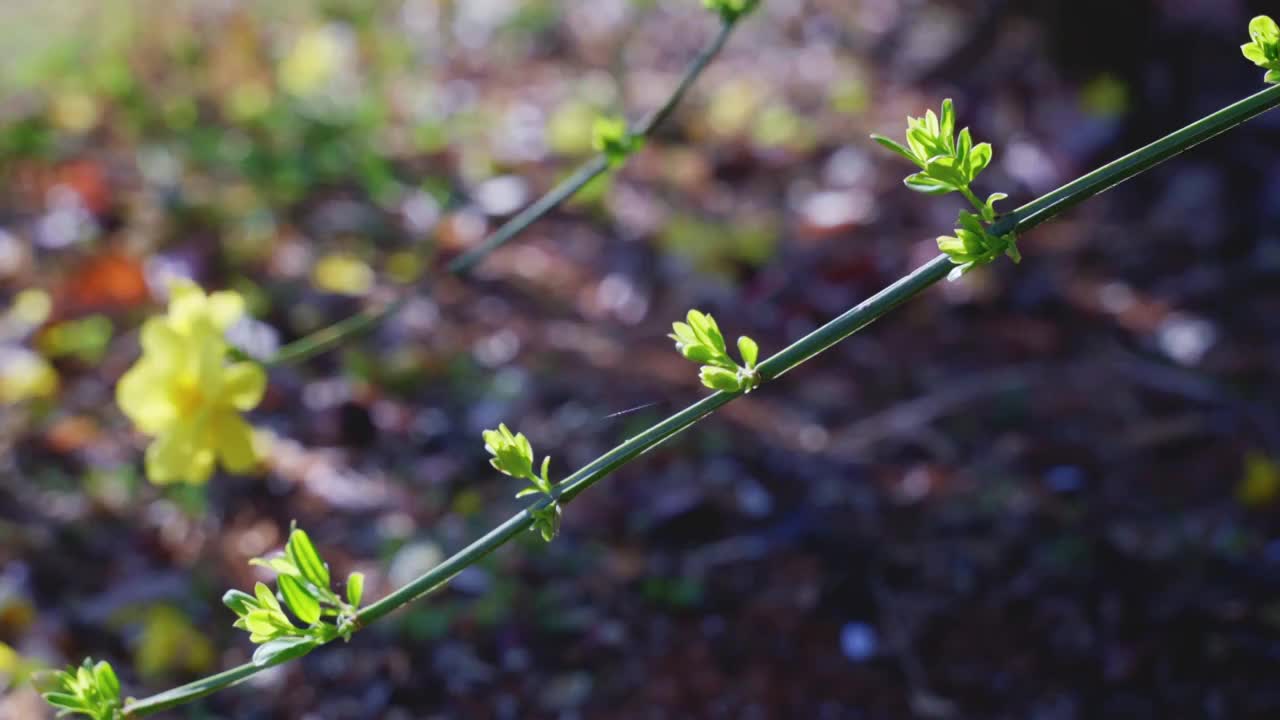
(302, 579)
(611, 137)
(513, 455)
(1264, 51)
(731, 10)
(91, 689)
(701, 341)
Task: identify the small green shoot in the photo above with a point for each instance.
(973, 245)
(731, 10)
(611, 137)
(513, 455)
(701, 341)
(303, 582)
(1264, 51)
(950, 163)
(91, 689)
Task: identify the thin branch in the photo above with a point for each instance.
(326, 338)
(870, 310)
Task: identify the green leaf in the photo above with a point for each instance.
(546, 521)
(697, 353)
(304, 556)
(720, 379)
(974, 242)
(266, 599)
(931, 123)
(749, 351)
(239, 602)
(922, 183)
(355, 588)
(684, 334)
(106, 679)
(705, 328)
(299, 599)
(989, 209)
(64, 700)
(964, 147)
(948, 126)
(512, 454)
(979, 159)
(282, 650)
(897, 148)
(971, 222)
(952, 246)
(947, 170)
(279, 564)
(84, 677)
(1256, 54)
(1264, 30)
(267, 622)
(1011, 249)
(1273, 77)
(922, 143)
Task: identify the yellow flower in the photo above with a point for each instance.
(184, 393)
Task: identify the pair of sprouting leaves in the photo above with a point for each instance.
(303, 580)
(701, 341)
(91, 689)
(1264, 51)
(513, 455)
(974, 244)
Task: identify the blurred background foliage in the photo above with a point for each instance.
(1046, 491)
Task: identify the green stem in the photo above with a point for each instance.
(327, 338)
(973, 199)
(330, 336)
(866, 312)
(567, 188)
(1104, 178)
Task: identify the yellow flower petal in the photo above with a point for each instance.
(243, 385)
(187, 302)
(209, 353)
(233, 439)
(143, 393)
(225, 308)
(168, 456)
(177, 456)
(183, 391)
(162, 346)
